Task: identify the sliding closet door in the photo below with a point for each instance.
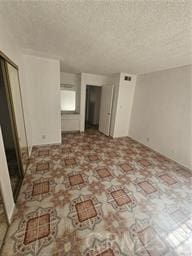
(9, 133)
(14, 86)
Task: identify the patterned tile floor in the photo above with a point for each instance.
(97, 196)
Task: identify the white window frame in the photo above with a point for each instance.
(65, 110)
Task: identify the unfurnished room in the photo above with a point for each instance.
(96, 128)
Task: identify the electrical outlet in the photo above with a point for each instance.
(43, 137)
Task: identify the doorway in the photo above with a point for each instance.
(92, 112)
(98, 108)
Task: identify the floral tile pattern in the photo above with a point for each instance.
(93, 158)
(70, 162)
(85, 212)
(43, 152)
(104, 173)
(126, 167)
(104, 248)
(121, 198)
(147, 187)
(97, 196)
(39, 189)
(168, 179)
(42, 167)
(36, 230)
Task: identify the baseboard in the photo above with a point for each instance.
(182, 165)
(45, 145)
(66, 132)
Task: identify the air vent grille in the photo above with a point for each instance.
(127, 78)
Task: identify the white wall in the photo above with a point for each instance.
(90, 79)
(162, 113)
(10, 46)
(124, 102)
(42, 82)
(70, 78)
(70, 122)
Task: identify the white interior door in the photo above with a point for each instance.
(105, 109)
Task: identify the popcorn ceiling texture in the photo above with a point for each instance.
(105, 36)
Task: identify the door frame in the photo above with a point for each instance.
(3, 56)
(83, 117)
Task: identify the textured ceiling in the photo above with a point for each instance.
(105, 36)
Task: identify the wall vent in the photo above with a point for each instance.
(127, 78)
(68, 86)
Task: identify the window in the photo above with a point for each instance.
(68, 100)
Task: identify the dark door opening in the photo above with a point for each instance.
(92, 112)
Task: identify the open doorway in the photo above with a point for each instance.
(92, 112)
(98, 108)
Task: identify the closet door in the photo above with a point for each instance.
(14, 87)
(9, 132)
